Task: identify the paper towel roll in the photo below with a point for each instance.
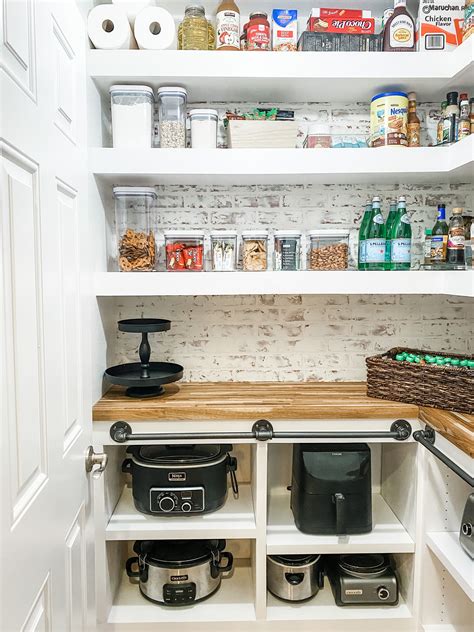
(133, 7)
(108, 28)
(155, 29)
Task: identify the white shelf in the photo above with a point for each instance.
(323, 608)
(445, 545)
(387, 536)
(284, 77)
(236, 519)
(382, 165)
(459, 283)
(233, 601)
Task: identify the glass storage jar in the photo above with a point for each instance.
(132, 115)
(224, 251)
(195, 29)
(135, 229)
(184, 251)
(203, 128)
(328, 250)
(287, 250)
(254, 251)
(172, 117)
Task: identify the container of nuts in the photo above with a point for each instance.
(135, 229)
(254, 251)
(328, 250)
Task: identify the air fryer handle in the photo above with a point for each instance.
(127, 466)
(340, 501)
(128, 566)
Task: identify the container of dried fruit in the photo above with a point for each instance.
(254, 251)
(172, 116)
(135, 248)
(184, 251)
(328, 250)
(224, 251)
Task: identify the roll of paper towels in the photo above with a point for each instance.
(155, 29)
(108, 28)
(133, 7)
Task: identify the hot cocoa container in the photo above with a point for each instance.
(389, 119)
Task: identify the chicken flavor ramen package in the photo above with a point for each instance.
(440, 24)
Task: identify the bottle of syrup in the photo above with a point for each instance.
(399, 30)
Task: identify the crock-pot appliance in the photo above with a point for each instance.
(466, 535)
(180, 479)
(331, 488)
(179, 572)
(363, 580)
(294, 577)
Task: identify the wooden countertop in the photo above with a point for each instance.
(215, 401)
(458, 428)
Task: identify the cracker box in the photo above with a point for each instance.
(439, 25)
(284, 29)
(339, 13)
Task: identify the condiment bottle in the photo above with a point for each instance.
(413, 126)
(228, 26)
(439, 131)
(258, 31)
(194, 31)
(464, 127)
(471, 113)
(456, 239)
(439, 237)
(451, 116)
(427, 247)
(399, 30)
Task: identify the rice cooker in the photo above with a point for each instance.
(294, 577)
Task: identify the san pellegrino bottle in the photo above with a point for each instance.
(388, 225)
(363, 235)
(375, 239)
(400, 238)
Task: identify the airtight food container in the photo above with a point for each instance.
(172, 117)
(132, 116)
(184, 251)
(287, 251)
(254, 251)
(328, 250)
(224, 251)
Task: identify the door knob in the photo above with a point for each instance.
(93, 459)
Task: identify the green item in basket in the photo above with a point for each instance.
(400, 357)
(455, 362)
(470, 364)
(464, 362)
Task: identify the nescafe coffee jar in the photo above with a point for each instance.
(258, 31)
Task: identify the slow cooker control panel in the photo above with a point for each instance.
(179, 594)
(176, 500)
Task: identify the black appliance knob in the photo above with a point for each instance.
(166, 504)
(383, 593)
(186, 507)
(467, 529)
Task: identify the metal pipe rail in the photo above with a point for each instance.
(427, 438)
(262, 430)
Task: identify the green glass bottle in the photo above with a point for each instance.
(363, 235)
(388, 225)
(375, 238)
(400, 238)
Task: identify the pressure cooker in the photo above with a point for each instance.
(294, 577)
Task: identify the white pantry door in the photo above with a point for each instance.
(46, 577)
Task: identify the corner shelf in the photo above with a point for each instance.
(236, 519)
(445, 545)
(387, 536)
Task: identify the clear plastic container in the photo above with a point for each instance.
(203, 128)
(328, 250)
(287, 250)
(172, 117)
(224, 251)
(132, 115)
(135, 229)
(184, 251)
(254, 251)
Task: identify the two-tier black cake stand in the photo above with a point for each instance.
(144, 378)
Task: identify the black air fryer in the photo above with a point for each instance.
(331, 488)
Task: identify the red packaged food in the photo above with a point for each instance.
(339, 13)
(184, 252)
(342, 25)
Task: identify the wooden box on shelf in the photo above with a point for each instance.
(261, 134)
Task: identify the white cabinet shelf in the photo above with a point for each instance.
(383, 165)
(445, 545)
(387, 536)
(236, 519)
(234, 601)
(459, 283)
(283, 77)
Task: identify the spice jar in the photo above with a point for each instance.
(329, 250)
(132, 115)
(172, 117)
(254, 251)
(184, 251)
(135, 230)
(287, 249)
(224, 251)
(195, 29)
(258, 31)
(203, 128)
(319, 135)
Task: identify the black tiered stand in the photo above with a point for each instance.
(144, 378)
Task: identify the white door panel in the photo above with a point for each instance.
(46, 573)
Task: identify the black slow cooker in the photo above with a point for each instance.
(180, 479)
(179, 572)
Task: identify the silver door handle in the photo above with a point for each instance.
(93, 459)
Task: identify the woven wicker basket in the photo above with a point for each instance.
(448, 387)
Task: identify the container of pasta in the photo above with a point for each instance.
(388, 119)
